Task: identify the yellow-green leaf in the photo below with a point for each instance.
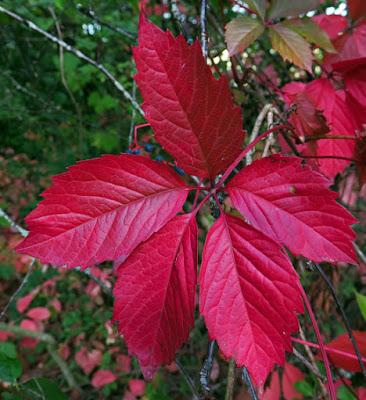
(291, 46)
(291, 8)
(361, 301)
(259, 6)
(241, 32)
(311, 31)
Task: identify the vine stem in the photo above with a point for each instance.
(247, 150)
(343, 315)
(331, 388)
(327, 348)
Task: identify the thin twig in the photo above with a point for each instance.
(18, 291)
(343, 315)
(313, 362)
(270, 140)
(133, 116)
(230, 381)
(91, 14)
(359, 252)
(31, 25)
(257, 125)
(308, 364)
(204, 38)
(188, 379)
(13, 224)
(207, 367)
(64, 80)
(249, 383)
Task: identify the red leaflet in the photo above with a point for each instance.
(357, 8)
(290, 376)
(248, 295)
(291, 203)
(155, 294)
(344, 344)
(354, 74)
(103, 377)
(193, 115)
(333, 24)
(351, 44)
(101, 209)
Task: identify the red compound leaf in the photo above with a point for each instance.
(291, 203)
(248, 295)
(101, 209)
(155, 294)
(192, 114)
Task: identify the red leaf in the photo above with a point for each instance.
(102, 378)
(291, 203)
(351, 44)
(39, 313)
(356, 8)
(192, 113)
(273, 391)
(101, 209)
(29, 342)
(354, 74)
(333, 24)
(23, 302)
(291, 375)
(88, 360)
(155, 294)
(343, 343)
(248, 296)
(137, 387)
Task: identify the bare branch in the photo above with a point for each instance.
(31, 25)
(17, 292)
(204, 38)
(257, 125)
(13, 224)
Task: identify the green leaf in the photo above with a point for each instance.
(310, 31)
(45, 389)
(106, 141)
(259, 6)
(291, 8)
(241, 32)
(8, 350)
(344, 394)
(305, 388)
(361, 301)
(4, 223)
(10, 366)
(291, 46)
(7, 272)
(102, 103)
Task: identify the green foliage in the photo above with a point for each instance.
(10, 366)
(361, 301)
